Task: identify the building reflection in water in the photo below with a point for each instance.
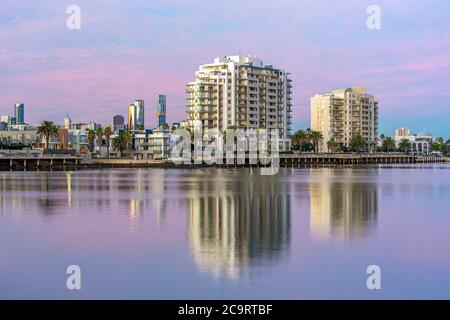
(341, 206)
(132, 192)
(237, 225)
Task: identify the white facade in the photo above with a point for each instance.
(241, 91)
(421, 143)
(156, 145)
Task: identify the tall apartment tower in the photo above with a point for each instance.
(241, 91)
(136, 115)
(161, 110)
(343, 113)
(19, 113)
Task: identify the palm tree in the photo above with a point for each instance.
(315, 137)
(99, 134)
(357, 143)
(141, 127)
(299, 138)
(121, 142)
(332, 145)
(91, 138)
(118, 143)
(107, 134)
(441, 146)
(47, 130)
(405, 145)
(229, 130)
(127, 139)
(388, 144)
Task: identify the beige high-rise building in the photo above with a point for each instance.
(343, 113)
(241, 91)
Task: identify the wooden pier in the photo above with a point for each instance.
(44, 163)
(48, 163)
(354, 159)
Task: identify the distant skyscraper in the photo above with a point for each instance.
(13, 121)
(161, 110)
(131, 117)
(118, 122)
(4, 123)
(5, 119)
(136, 115)
(67, 122)
(19, 113)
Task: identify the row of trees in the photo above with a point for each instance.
(305, 139)
(99, 133)
(309, 140)
(442, 146)
(48, 130)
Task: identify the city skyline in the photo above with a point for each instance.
(110, 61)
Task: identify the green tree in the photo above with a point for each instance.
(332, 145)
(357, 143)
(107, 133)
(91, 138)
(99, 134)
(47, 130)
(300, 137)
(122, 142)
(405, 145)
(441, 146)
(388, 144)
(316, 137)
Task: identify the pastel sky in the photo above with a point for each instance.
(136, 49)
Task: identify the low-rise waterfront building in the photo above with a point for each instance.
(421, 143)
(151, 144)
(27, 138)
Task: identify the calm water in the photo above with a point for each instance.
(211, 233)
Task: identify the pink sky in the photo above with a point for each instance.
(137, 49)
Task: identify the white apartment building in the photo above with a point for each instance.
(152, 146)
(241, 91)
(343, 113)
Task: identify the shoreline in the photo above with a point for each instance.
(285, 161)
